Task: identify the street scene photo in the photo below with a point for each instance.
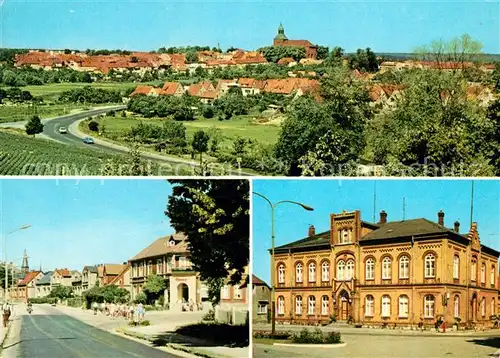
(124, 268)
(250, 88)
(385, 268)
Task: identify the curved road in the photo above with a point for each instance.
(48, 333)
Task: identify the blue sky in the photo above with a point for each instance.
(385, 26)
(86, 222)
(423, 198)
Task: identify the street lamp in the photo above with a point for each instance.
(24, 227)
(273, 206)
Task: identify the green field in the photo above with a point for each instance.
(22, 112)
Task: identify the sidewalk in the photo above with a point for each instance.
(160, 332)
(345, 329)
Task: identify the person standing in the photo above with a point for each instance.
(141, 312)
(6, 313)
(95, 306)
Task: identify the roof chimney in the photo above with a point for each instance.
(383, 217)
(312, 231)
(441, 218)
(457, 226)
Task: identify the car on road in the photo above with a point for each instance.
(88, 140)
(63, 130)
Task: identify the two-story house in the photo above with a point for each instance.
(261, 300)
(89, 277)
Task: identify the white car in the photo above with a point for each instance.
(63, 130)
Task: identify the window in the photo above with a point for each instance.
(483, 307)
(429, 306)
(262, 309)
(312, 272)
(311, 307)
(386, 268)
(403, 306)
(237, 293)
(456, 267)
(298, 305)
(298, 272)
(369, 303)
(350, 270)
(159, 266)
(483, 273)
(135, 273)
(492, 306)
(370, 269)
(345, 236)
(492, 275)
(325, 272)
(150, 267)
(404, 267)
(430, 266)
(281, 273)
(340, 270)
(386, 306)
(473, 269)
(324, 305)
(281, 305)
(182, 262)
(225, 292)
(456, 306)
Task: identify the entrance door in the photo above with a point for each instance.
(474, 308)
(344, 309)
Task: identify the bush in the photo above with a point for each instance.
(42, 300)
(145, 323)
(75, 302)
(210, 316)
(217, 333)
(141, 298)
(93, 126)
(282, 335)
(316, 337)
(208, 112)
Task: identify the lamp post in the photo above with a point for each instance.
(273, 207)
(24, 227)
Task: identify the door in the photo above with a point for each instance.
(344, 309)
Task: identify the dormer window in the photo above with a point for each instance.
(171, 243)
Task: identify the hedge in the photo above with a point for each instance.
(316, 337)
(42, 300)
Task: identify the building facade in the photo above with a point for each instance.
(235, 296)
(89, 277)
(261, 300)
(168, 257)
(281, 40)
(387, 273)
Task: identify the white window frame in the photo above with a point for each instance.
(456, 306)
(311, 305)
(386, 306)
(483, 307)
(325, 271)
(386, 268)
(325, 305)
(483, 273)
(262, 308)
(159, 266)
(492, 275)
(281, 305)
(298, 305)
(404, 305)
(429, 306)
(370, 269)
(281, 273)
(311, 272)
(404, 267)
(299, 271)
(473, 270)
(492, 306)
(456, 267)
(430, 266)
(341, 270)
(369, 306)
(237, 293)
(225, 292)
(349, 269)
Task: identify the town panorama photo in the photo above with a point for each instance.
(246, 88)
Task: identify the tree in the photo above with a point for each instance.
(322, 52)
(214, 215)
(94, 126)
(200, 143)
(10, 280)
(364, 60)
(191, 57)
(61, 292)
(493, 115)
(34, 126)
(154, 287)
(276, 53)
(239, 146)
(141, 298)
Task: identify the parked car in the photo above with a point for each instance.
(88, 140)
(63, 130)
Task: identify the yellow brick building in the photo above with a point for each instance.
(395, 273)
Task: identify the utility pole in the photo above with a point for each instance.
(472, 204)
(404, 209)
(374, 200)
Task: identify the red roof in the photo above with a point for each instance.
(286, 61)
(28, 278)
(295, 43)
(63, 272)
(170, 88)
(198, 89)
(257, 281)
(142, 90)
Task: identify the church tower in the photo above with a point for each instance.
(25, 267)
(280, 37)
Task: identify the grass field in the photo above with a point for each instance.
(22, 112)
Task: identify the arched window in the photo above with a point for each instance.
(370, 269)
(349, 273)
(325, 305)
(492, 275)
(369, 305)
(456, 306)
(298, 272)
(281, 305)
(311, 305)
(281, 273)
(341, 270)
(429, 306)
(298, 305)
(456, 267)
(492, 307)
(403, 306)
(483, 307)
(473, 269)
(325, 271)
(430, 266)
(386, 268)
(404, 267)
(483, 273)
(312, 272)
(386, 306)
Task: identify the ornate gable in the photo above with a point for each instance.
(473, 236)
(345, 227)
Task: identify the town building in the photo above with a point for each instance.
(122, 280)
(405, 273)
(111, 272)
(89, 277)
(43, 286)
(281, 40)
(261, 300)
(235, 296)
(26, 288)
(168, 257)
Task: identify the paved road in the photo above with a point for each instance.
(48, 333)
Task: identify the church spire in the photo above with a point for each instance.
(281, 34)
(25, 267)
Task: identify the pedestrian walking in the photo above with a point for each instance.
(95, 307)
(141, 312)
(6, 313)
(136, 315)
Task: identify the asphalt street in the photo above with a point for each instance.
(48, 333)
